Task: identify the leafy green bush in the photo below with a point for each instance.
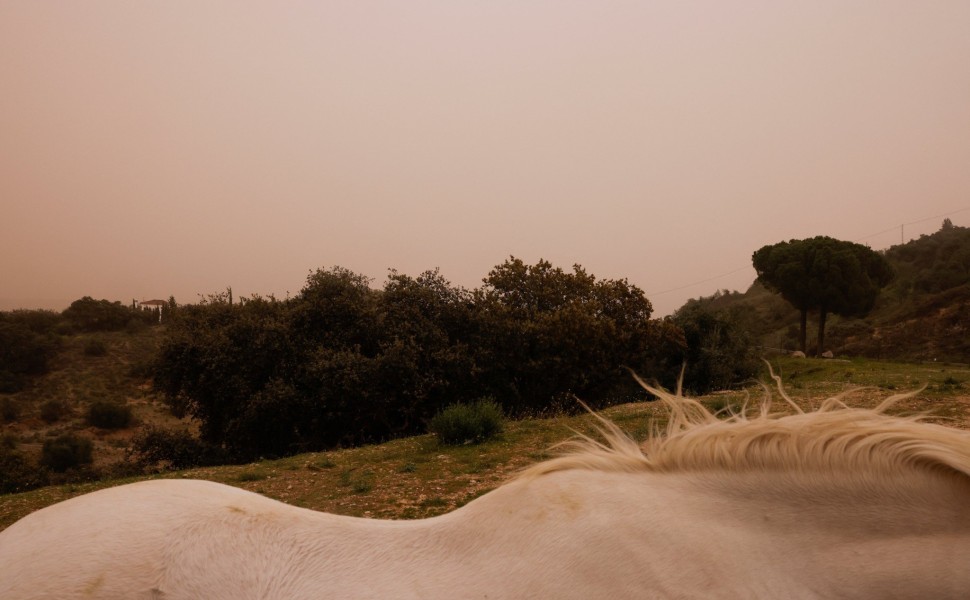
(53, 410)
(88, 314)
(172, 448)
(109, 415)
(719, 352)
(67, 451)
(468, 423)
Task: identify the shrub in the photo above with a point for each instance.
(172, 448)
(88, 314)
(16, 473)
(136, 325)
(23, 352)
(67, 451)
(109, 415)
(9, 410)
(468, 423)
(719, 352)
(53, 410)
(951, 382)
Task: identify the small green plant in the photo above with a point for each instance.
(434, 501)
(324, 463)
(408, 468)
(950, 383)
(53, 410)
(468, 423)
(251, 476)
(109, 415)
(363, 485)
(67, 451)
(346, 476)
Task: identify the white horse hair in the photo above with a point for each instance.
(835, 503)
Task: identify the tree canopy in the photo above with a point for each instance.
(823, 274)
(342, 363)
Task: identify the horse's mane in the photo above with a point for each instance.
(833, 438)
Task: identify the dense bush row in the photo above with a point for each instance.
(342, 363)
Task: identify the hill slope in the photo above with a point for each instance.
(923, 314)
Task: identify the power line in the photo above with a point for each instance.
(732, 272)
(683, 287)
(923, 220)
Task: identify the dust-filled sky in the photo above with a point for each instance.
(150, 149)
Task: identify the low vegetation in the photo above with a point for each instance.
(109, 415)
(100, 400)
(67, 451)
(468, 423)
(419, 476)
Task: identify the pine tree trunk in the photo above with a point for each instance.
(803, 332)
(822, 313)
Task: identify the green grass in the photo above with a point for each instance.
(835, 376)
(246, 476)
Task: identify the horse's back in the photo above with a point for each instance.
(121, 542)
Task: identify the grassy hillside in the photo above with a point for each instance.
(88, 368)
(416, 477)
(923, 314)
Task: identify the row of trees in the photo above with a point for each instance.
(342, 363)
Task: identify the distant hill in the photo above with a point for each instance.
(923, 314)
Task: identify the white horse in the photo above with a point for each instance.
(837, 503)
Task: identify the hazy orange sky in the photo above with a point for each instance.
(150, 149)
